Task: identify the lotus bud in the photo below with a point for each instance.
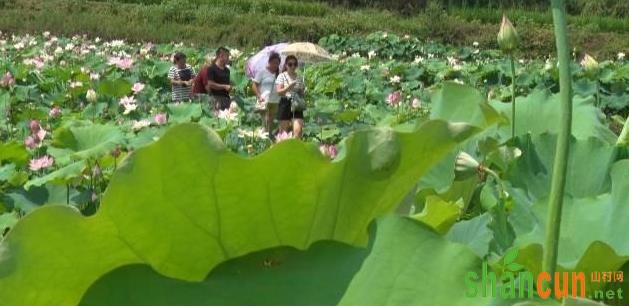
(589, 63)
(508, 39)
(465, 166)
(91, 96)
(161, 118)
(96, 171)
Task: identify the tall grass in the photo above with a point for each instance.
(615, 8)
(277, 7)
(591, 22)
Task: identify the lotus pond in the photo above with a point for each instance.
(408, 176)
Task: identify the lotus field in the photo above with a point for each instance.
(412, 174)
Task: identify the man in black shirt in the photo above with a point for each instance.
(219, 84)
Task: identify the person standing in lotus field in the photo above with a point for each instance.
(199, 88)
(291, 88)
(218, 81)
(181, 76)
(265, 90)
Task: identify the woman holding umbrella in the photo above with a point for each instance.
(265, 90)
(291, 88)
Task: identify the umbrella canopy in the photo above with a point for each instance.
(261, 59)
(307, 52)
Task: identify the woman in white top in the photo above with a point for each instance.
(265, 90)
(291, 88)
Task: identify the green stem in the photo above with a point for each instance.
(623, 139)
(597, 97)
(558, 182)
(512, 97)
(502, 190)
(501, 214)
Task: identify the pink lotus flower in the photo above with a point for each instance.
(41, 163)
(125, 63)
(7, 80)
(394, 98)
(34, 126)
(417, 103)
(137, 87)
(54, 112)
(122, 63)
(283, 135)
(30, 142)
(328, 150)
(40, 135)
(161, 118)
(37, 62)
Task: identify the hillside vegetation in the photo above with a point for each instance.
(255, 23)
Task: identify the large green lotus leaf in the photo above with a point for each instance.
(441, 176)
(570, 301)
(588, 175)
(6, 172)
(439, 214)
(13, 152)
(181, 113)
(185, 204)
(76, 141)
(539, 113)
(413, 266)
(474, 233)
(36, 196)
(460, 103)
(588, 167)
(94, 110)
(593, 231)
(7, 220)
(618, 287)
(276, 277)
(284, 276)
(144, 137)
(117, 88)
